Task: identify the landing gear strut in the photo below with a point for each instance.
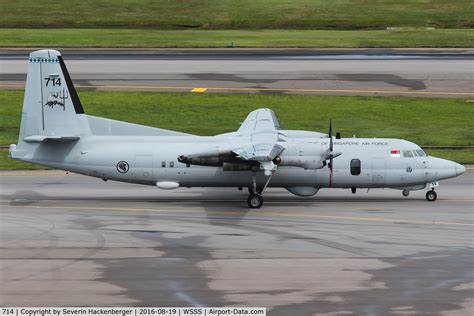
(255, 199)
(431, 195)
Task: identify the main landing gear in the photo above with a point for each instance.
(431, 195)
(255, 199)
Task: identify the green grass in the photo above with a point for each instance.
(424, 121)
(246, 23)
(12, 164)
(240, 38)
(460, 156)
(237, 14)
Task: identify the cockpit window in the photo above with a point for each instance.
(407, 153)
(420, 153)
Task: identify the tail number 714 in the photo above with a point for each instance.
(54, 82)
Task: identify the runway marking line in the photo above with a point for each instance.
(330, 217)
(261, 89)
(200, 90)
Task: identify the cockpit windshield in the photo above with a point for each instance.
(413, 153)
(420, 153)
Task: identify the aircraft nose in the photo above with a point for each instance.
(459, 169)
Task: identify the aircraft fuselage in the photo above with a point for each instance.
(148, 160)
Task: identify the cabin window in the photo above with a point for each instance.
(171, 164)
(163, 164)
(407, 153)
(355, 167)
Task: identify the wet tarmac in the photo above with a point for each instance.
(69, 240)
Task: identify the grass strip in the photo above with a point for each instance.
(237, 14)
(140, 38)
(425, 121)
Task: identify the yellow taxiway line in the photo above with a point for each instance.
(203, 89)
(257, 214)
(199, 90)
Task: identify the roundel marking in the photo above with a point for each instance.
(122, 166)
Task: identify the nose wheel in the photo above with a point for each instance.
(431, 196)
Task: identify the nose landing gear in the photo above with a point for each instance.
(431, 195)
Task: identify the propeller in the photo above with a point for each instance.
(331, 148)
(330, 136)
(331, 153)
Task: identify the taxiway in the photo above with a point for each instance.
(432, 73)
(70, 240)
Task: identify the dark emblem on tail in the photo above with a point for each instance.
(122, 167)
(57, 98)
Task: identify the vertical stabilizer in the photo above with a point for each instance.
(51, 106)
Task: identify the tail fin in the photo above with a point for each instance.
(51, 107)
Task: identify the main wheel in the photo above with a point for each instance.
(406, 192)
(255, 201)
(431, 196)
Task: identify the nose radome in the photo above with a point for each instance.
(459, 169)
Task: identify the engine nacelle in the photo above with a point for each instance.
(213, 158)
(305, 162)
(241, 166)
(305, 155)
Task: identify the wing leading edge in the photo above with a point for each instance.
(261, 119)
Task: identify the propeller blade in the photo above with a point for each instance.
(330, 136)
(331, 156)
(330, 171)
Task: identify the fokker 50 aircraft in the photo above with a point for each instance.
(56, 132)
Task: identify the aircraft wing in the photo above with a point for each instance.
(259, 120)
(263, 131)
(259, 151)
(257, 141)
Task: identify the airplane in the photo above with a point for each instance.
(56, 132)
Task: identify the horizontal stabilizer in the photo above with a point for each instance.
(43, 138)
